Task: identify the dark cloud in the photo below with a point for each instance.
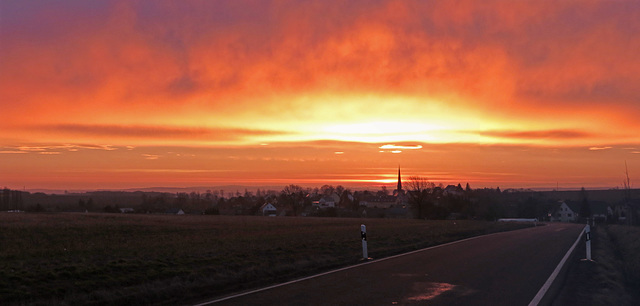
(183, 85)
(154, 59)
(549, 134)
(157, 132)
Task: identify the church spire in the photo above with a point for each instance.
(399, 181)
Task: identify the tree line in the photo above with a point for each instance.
(421, 199)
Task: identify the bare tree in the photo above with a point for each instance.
(294, 194)
(585, 209)
(419, 192)
(346, 199)
(292, 189)
(630, 211)
(383, 191)
(327, 190)
(627, 183)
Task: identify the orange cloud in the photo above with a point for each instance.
(539, 135)
(244, 73)
(166, 133)
(313, 164)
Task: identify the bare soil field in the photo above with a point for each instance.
(160, 259)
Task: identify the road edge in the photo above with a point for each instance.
(221, 299)
(549, 289)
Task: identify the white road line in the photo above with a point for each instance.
(536, 300)
(341, 269)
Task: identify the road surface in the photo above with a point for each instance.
(500, 269)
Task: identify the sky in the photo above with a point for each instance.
(128, 94)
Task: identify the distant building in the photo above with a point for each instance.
(453, 190)
(268, 210)
(627, 212)
(379, 201)
(11, 199)
(399, 191)
(175, 211)
(569, 211)
(325, 202)
(600, 211)
(565, 212)
(398, 199)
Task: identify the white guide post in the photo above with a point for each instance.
(587, 230)
(363, 235)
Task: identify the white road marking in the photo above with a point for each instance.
(342, 269)
(536, 300)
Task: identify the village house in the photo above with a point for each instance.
(626, 212)
(453, 190)
(565, 212)
(379, 201)
(326, 202)
(269, 209)
(569, 211)
(600, 211)
(398, 199)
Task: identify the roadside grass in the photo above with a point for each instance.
(48, 259)
(609, 287)
(627, 242)
(613, 278)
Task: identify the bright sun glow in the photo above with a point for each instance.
(273, 92)
(381, 128)
(382, 131)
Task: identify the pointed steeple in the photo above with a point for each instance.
(399, 181)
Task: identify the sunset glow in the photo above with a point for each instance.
(124, 94)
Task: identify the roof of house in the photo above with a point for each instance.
(174, 210)
(328, 199)
(596, 207)
(267, 204)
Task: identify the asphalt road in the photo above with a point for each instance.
(500, 269)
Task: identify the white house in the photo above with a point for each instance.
(268, 209)
(325, 202)
(335, 197)
(565, 213)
